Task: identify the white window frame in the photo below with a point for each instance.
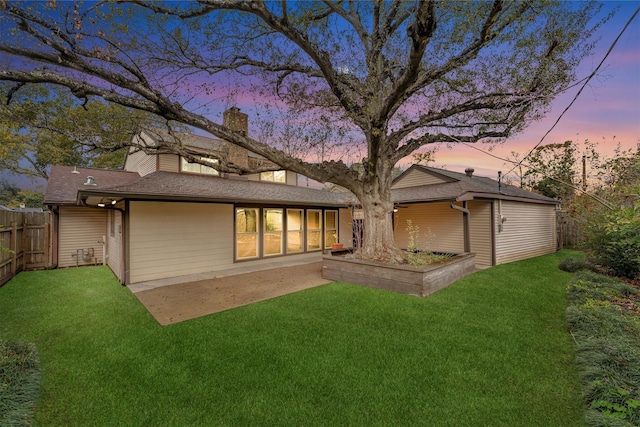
(193, 167)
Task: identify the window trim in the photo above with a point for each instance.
(310, 230)
(265, 232)
(326, 229)
(214, 172)
(237, 233)
(300, 231)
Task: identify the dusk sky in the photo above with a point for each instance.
(607, 111)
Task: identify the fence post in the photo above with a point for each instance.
(47, 250)
(13, 247)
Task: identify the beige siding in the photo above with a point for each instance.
(114, 243)
(141, 162)
(345, 232)
(292, 178)
(529, 231)
(416, 178)
(440, 227)
(81, 228)
(169, 163)
(176, 239)
(480, 231)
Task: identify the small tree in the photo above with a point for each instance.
(613, 239)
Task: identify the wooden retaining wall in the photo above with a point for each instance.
(25, 242)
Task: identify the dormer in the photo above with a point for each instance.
(209, 150)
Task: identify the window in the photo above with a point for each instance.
(314, 229)
(273, 226)
(247, 233)
(274, 176)
(330, 228)
(294, 231)
(187, 166)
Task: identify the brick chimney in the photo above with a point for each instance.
(236, 121)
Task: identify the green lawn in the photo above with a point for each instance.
(491, 350)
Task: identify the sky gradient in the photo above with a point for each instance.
(607, 111)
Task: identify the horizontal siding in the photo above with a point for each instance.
(114, 243)
(416, 178)
(529, 231)
(440, 227)
(176, 239)
(168, 163)
(141, 162)
(81, 228)
(480, 231)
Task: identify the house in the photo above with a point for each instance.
(165, 216)
(458, 212)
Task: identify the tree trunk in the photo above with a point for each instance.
(378, 240)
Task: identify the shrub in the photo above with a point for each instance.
(613, 239)
(607, 349)
(573, 265)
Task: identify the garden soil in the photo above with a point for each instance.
(179, 302)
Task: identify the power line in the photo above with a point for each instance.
(593, 73)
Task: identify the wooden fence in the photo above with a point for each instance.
(569, 231)
(25, 242)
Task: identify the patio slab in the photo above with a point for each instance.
(178, 302)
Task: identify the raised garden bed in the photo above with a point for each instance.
(420, 281)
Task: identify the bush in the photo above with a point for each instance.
(613, 239)
(607, 349)
(573, 265)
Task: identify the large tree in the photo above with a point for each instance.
(44, 126)
(399, 74)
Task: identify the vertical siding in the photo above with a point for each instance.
(176, 239)
(480, 231)
(114, 243)
(440, 227)
(81, 228)
(345, 228)
(168, 163)
(530, 230)
(415, 178)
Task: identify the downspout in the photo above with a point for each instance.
(465, 224)
(55, 237)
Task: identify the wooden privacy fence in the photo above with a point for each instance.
(24, 242)
(569, 231)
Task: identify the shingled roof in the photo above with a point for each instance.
(67, 185)
(461, 187)
(187, 187)
(65, 181)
